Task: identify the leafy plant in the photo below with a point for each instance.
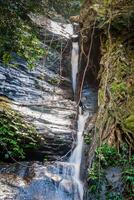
(21, 36)
(16, 136)
(29, 46)
(128, 177)
(107, 155)
(114, 196)
(87, 139)
(95, 178)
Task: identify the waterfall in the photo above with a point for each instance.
(82, 117)
(74, 62)
(77, 153)
(52, 118)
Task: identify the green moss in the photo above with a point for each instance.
(116, 91)
(129, 122)
(101, 96)
(54, 81)
(118, 87)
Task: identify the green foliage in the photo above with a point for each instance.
(95, 178)
(54, 81)
(128, 178)
(118, 88)
(16, 137)
(71, 7)
(20, 36)
(114, 196)
(29, 46)
(87, 139)
(107, 155)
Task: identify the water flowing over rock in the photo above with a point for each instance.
(74, 62)
(36, 181)
(45, 99)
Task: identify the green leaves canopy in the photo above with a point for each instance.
(17, 33)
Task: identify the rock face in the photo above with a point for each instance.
(43, 98)
(53, 180)
(104, 59)
(114, 178)
(42, 103)
(32, 181)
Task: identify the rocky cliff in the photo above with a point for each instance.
(107, 56)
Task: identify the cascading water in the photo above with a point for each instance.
(77, 153)
(74, 62)
(82, 117)
(71, 186)
(51, 180)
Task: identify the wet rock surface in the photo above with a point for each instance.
(60, 28)
(35, 180)
(44, 98)
(114, 178)
(38, 97)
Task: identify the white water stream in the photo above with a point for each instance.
(74, 63)
(76, 156)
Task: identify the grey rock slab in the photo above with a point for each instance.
(29, 180)
(114, 177)
(45, 105)
(2, 77)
